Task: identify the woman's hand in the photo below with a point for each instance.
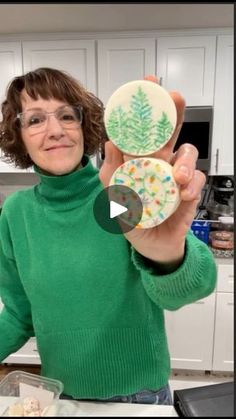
(165, 243)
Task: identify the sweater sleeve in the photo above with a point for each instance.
(194, 279)
(15, 318)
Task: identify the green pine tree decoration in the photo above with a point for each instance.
(164, 129)
(140, 123)
(117, 126)
(135, 128)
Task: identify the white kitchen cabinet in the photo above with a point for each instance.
(190, 332)
(223, 355)
(187, 64)
(10, 67)
(28, 354)
(223, 120)
(123, 60)
(77, 57)
(10, 64)
(200, 335)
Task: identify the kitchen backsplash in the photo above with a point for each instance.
(12, 182)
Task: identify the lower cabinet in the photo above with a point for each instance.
(28, 354)
(223, 354)
(200, 335)
(190, 332)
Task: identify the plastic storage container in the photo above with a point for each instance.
(18, 386)
(201, 230)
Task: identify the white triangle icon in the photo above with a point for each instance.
(116, 209)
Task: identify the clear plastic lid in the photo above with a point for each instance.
(26, 394)
(10, 384)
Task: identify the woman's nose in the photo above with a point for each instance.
(54, 127)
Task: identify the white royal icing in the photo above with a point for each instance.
(153, 181)
(140, 117)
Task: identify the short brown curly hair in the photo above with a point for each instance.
(49, 83)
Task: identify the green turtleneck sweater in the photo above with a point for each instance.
(94, 304)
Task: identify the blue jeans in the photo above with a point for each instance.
(162, 396)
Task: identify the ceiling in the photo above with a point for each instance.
(99, 17)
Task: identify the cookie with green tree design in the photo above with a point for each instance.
(140, 117)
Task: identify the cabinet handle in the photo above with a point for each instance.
(217, 160)
(160, 81)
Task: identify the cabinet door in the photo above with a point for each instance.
(11, 66)
(28, 354)
(224, 332)
(123, 60)
(225, 277)
(223, 121)
(190, 334)
(187, 64)
(77, 57)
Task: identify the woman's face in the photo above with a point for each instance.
(55, 147)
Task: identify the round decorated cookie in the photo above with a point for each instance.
(140, 117)
(153, 181)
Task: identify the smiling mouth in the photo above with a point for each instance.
(58, 147)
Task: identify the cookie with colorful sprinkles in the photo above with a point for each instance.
(153, 181)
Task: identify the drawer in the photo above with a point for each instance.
(225, 278)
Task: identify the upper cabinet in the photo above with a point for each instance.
(196, 64)
(223, 138)
(11, 66)
(123, 60)
(77, 57)
(187, 64)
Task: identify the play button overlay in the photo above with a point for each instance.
(118, 209)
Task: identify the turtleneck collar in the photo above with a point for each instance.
(70, 190)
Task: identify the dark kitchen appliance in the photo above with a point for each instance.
(221, 202)
(197, 130)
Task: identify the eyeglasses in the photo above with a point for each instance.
(35, 121)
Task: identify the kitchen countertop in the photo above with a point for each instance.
(76, 408)
(224, 261)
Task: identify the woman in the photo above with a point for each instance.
(95, 301)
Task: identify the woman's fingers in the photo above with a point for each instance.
(180, 108)
(184, 163)
(192, 190)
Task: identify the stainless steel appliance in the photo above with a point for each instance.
(197, 130)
